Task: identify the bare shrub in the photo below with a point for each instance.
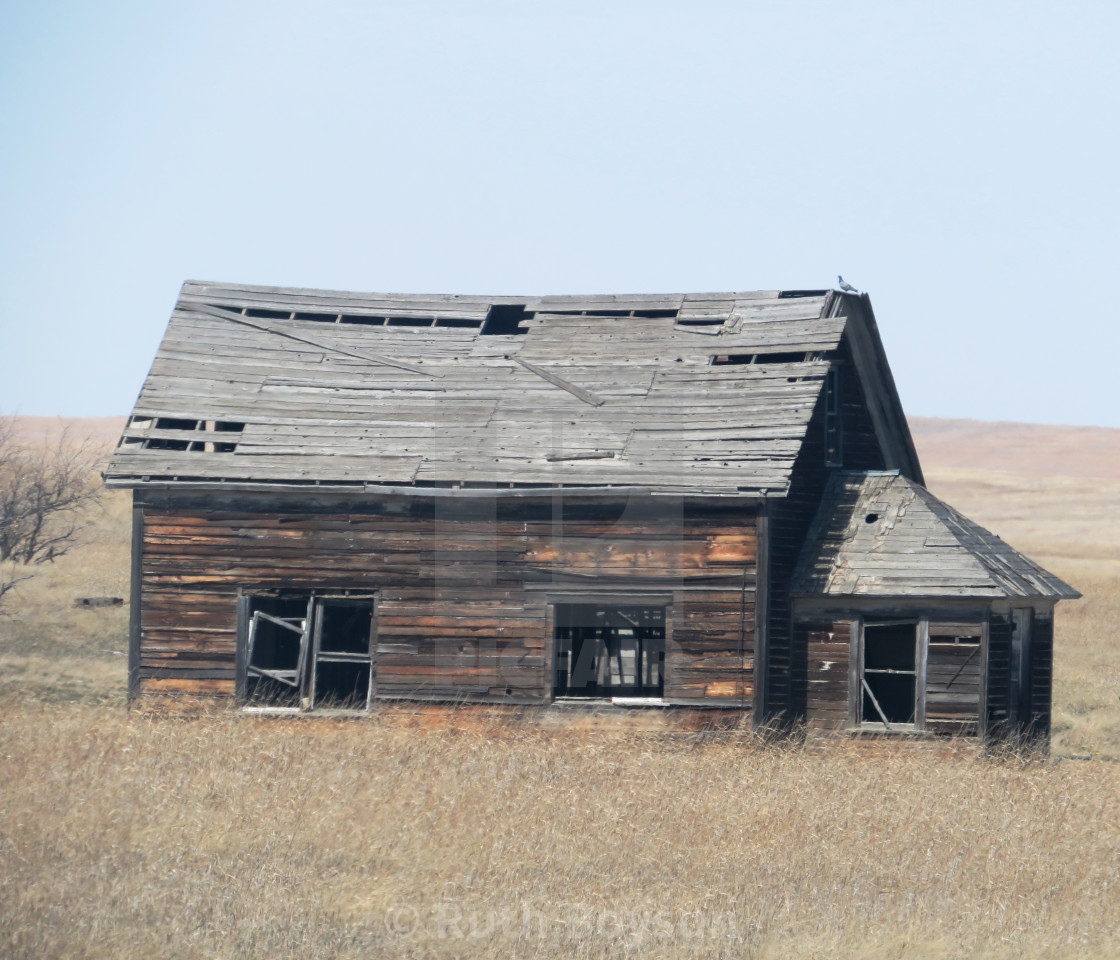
(45, 492)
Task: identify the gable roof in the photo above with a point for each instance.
(292, 386)
(882, 535)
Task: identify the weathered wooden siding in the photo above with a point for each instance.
(828, 653)
(792, 517)
(1042, 675)
(861, 447)
(954, 673)
(998, 714)
(789, 523)
(464, 593)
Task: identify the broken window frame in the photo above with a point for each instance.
(862, 695)
(570, 638)
(303, 676)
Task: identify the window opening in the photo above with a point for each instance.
(889, 674)
(960, 652)
(505, 319)
(276, 650)
(341, 665)
(609, 651)
(309, 652)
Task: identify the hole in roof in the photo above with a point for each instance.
(268, 314)
(364, 320)
(409, 321)
(702, 322)
(504, 319)
(458, 322)
(317, 317)
(645, 314)
(871, 518)
(747, 358)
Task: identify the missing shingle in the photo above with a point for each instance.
(268, 314)
(732, 359)
(196, 435)
(505, 319)
(461, 322)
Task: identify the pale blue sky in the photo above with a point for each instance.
(957, 160)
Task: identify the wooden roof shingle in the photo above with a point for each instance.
(277, 385)
(883, 535)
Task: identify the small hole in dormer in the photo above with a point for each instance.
(871, 518)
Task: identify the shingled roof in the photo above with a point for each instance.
(700, 393)
(882, 535)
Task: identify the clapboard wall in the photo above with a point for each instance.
(791, 517)
(468, 585)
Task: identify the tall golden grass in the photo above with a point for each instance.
(139, 835)
(227, 837)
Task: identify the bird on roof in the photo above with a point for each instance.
(845, 286)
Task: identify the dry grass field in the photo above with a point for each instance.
(140, 836)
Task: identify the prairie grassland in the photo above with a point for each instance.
(137, 835)
(1071, 525)
(151, 836)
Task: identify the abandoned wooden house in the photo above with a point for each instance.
(704, 505)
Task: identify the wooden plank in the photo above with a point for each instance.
(579, 392)
(313, 339)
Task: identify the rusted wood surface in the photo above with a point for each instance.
(462, 598)
(827, 687)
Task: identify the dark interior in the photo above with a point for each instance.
(889, 669)
(342, 667)
(609, 651)
(275, 648)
